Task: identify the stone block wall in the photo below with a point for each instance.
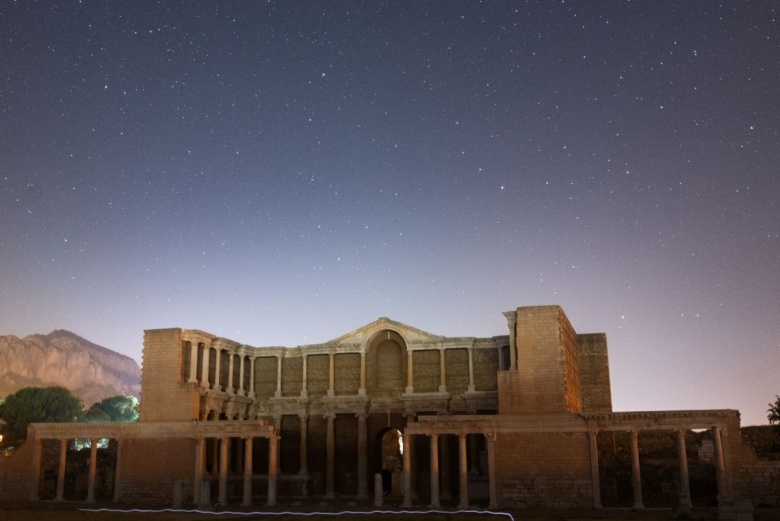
(457, 370)
(164, 394)
(347, 373)
(485, 369)
(528, 480)
(427, 371)
(547, 378)
(17, 481)
(150, 469)
(760, 482)
(594, 372)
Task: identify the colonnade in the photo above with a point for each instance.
(242, 389)
(223, 459)
(246, 356)
(437, 474)
(721, 457)
(59, 494)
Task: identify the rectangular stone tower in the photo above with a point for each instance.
(164, 394)
(547, 379)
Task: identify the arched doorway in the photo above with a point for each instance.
(389, 460)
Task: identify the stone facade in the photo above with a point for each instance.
(510, 421)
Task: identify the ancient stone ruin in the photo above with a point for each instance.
(385, 413)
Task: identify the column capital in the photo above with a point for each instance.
(511, 317)
(329, 415)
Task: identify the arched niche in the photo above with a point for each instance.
(386, 364)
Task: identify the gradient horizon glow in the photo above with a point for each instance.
(281, 173)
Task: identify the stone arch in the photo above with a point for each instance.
(386, 364)
(388, 457)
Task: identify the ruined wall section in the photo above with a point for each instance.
(594, 372)
(165, 394)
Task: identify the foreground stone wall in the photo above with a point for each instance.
(17, 478)
(151, 468)
(544, 470)
(761, 482)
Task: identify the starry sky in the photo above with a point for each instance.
(283, 172)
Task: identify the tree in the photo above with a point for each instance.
(773, 413)
(35, 405)
(114, 409)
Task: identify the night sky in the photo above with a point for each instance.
(283, 172)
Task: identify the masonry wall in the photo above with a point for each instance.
(559, 479)
(760, 482)
(593, 361)
(17, 481)
(547, 379)
(164, 395)
(150, 469)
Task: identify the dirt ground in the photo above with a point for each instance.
(50, 511)
(81, 512)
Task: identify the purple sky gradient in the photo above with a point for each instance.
(280, 173)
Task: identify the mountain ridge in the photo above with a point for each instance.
(90, 371)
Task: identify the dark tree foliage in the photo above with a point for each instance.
(114, 409)
(773, 413)
(37, 405)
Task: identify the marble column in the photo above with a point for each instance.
(231, 361)
(200, 461)
(330, 471)
(593, 437)
(490, 439)
(435, 501)
(305, 376)
(193, 362)
(511, 321)
(362, 456)
(279, 376)
(331, 374)
(217, 370)
(241, 382)
(91, 477)
(362, 390)
(407, 503)
(685, 484)
(463, 472)
(471, 370)
(409, 372)
(442, 372)
(247, 472)
(273, 468)
(720, 467)
(636, 476)
(204, 375)
(252, 377)
(61, 470)
(224, 455)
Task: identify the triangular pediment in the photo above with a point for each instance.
(410, 334)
